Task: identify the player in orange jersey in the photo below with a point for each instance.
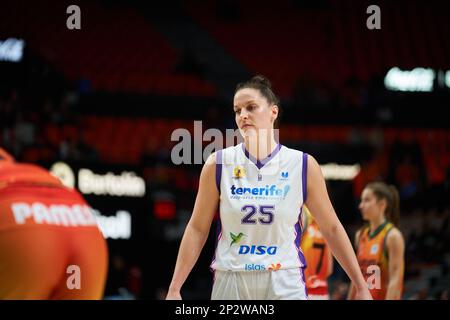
(50, 244)
(318, 257)
(380, 245)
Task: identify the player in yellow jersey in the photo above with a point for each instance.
(318, 257)
(379, 244)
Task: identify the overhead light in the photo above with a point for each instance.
(333, 171)
(11, 49)
(418, 79)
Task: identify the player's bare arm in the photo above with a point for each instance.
(197, 229)
(396, 249)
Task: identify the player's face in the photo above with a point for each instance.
(370, 206)
(253, 112)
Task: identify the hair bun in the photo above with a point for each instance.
(262, 80)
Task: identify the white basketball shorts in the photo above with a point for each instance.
(284, 284)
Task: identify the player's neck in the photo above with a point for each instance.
(260, 148)
(374, 224)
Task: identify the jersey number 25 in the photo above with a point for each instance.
(265, 214)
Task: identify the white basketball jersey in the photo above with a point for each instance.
(260, 209)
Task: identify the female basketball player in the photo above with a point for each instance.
(260, 187)
(51, 247)
(380, 245)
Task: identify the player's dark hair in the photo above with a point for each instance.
(264, 86)
(390, 193)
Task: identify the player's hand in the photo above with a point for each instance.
(173, 295)
(363, 294)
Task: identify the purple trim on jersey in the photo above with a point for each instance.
(300, 219)
(304, 175)
(301, 257)
(261, 163)
(298, 237)
(302, 275)
(218, 169)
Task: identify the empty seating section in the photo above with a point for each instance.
(330, 43)
(125, 140)
(116, 49)
(128, 140)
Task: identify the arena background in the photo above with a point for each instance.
(105, 99)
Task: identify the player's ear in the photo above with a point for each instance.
(274, 110)
(383, 204)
